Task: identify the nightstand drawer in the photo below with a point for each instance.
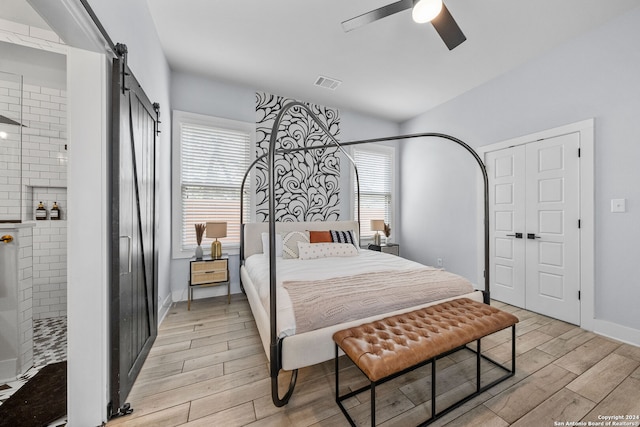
(208, 276)
(200, 266)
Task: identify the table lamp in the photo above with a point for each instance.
(377, 225)
(216, 230)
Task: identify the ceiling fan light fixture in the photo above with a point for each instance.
(425, 10)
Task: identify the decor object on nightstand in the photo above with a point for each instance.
(199, 233)
(216, 230)
(377, 225)
(387, 232)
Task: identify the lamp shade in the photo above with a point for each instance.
(216, 229)
(377, 224)
(425, 10)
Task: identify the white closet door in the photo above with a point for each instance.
(534, 208)
(506, 169)
(553, 235)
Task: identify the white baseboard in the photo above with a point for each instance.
(617, 332)
(164, 308)
(179, 295)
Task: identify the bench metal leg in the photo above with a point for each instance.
(373, 403)
(478, 359)
(433, 388)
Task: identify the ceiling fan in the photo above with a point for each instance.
(433, 11)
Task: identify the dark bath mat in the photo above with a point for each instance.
(41, 401)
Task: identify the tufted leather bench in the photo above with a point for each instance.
(387, 348)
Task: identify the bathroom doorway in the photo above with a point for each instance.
(35, 109)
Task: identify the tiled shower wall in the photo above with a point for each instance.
(44, 169)
(9, 148)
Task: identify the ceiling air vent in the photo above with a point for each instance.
(327, 82)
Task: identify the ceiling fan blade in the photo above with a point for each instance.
(448, 28)
(374, 15)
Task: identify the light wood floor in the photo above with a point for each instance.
(208, 368)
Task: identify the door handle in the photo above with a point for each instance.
(516, 235)
(532, 236)
(129, 256)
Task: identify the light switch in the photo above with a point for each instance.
(618, 205)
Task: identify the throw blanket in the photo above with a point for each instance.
(321, 303)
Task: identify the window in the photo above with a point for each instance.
(375, 170)
(210, 158)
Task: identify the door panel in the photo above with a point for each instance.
(506, 193)
(133, 275)
(553, 256)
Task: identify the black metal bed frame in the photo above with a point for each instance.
(275, 349)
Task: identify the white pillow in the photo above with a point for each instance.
(265, 244)
(325, 250)
(290, 243)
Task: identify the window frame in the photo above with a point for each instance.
(178, 119)
(391, 152)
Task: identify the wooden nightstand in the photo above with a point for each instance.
(388, 248)
(208, 272)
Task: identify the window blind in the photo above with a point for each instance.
(375, 173)
(213, 163)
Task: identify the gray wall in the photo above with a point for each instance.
(199, 95)
(129, 22)
(595, 75)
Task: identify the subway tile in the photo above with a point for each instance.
(40, 281)
(42, 127)
(50, 119)
(51, 106)
(14, 100)
(40, 97)
(30, 102)
(50, 91)
(44, 112)
(51, 133)
(31, 88)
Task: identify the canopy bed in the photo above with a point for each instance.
(299, 303)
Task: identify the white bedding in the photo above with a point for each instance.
(257, 267)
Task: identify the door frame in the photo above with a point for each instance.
(585, 129)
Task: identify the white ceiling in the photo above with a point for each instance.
(392, 68)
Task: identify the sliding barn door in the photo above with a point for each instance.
(133, 237)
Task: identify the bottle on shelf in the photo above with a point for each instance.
(41, 212)
(55, 211)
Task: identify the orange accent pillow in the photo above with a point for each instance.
(320, 237)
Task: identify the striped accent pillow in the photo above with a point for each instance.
(343, 237)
